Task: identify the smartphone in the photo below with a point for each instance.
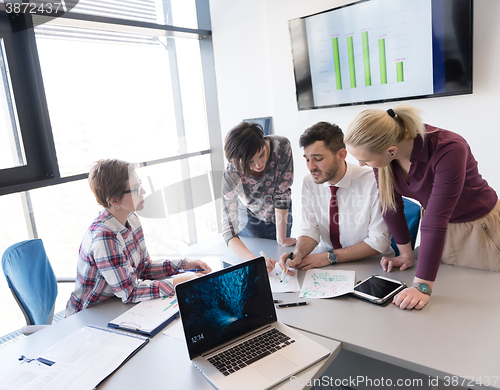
(378, 289)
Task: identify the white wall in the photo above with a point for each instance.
(255, 78)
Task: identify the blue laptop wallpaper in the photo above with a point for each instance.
(219, 307)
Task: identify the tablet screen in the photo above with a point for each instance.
(377, 287)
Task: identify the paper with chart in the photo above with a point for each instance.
(146, 316)
(289, 284)
(319, 283)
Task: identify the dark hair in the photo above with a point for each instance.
(108, 179)
(329, 133)
(242, 143)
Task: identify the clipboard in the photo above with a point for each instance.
(149, 317)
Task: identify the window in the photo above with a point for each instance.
(107, 80)
(11, 145)
(24, 127)
(118, 90)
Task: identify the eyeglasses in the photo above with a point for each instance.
(136, 190)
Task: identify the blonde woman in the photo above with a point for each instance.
(461, 222)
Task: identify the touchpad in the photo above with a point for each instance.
(275, 367)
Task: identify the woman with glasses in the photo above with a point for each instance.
(113, 259)
(256, 188)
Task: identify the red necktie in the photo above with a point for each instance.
(334, 219)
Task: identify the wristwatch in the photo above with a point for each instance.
(332, 257)
(423, 288)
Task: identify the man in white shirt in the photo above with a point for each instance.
(362, 231)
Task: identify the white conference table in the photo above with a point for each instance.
(163, 363)
(455, 335)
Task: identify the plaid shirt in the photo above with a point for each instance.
(113, 260)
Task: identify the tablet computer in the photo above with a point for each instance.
(378, 289)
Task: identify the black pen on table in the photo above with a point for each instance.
(285, 271)
(182, 270)
(292, 304)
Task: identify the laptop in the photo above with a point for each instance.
(232, 333)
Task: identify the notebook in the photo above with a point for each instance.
(230, 313)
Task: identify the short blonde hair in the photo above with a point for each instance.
(108, 179)
(378, 130)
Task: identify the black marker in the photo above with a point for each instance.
(292, 304)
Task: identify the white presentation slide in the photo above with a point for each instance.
(371, 51)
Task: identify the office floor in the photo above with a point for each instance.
(363, 373)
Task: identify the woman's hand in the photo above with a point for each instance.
(288, 241)
(401, 261)
(411, 298)
(270, 264)
(197, 264)
(183, 278)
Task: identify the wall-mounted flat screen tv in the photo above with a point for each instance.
(375, 51)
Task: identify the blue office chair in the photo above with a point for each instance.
(32, 282)
(412, 214)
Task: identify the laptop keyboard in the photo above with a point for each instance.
(248, 352)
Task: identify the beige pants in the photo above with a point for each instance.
(474, 244)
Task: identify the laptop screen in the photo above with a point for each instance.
(221, 306)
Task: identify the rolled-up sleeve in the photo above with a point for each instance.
(230, 190)
(283, 193)
(127, 281)
(379, 235)
(309, 224)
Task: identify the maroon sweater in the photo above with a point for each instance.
(444, 178)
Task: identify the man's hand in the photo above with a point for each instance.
(314, 260)
(294, 262)
(401, 261)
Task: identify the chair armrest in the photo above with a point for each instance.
(66, 279)
(30, 329)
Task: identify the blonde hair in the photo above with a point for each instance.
(378, 130)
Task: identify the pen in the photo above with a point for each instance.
(274, 268)
(190, 270)
(277, 301)
(285, 271)
(283, 305)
